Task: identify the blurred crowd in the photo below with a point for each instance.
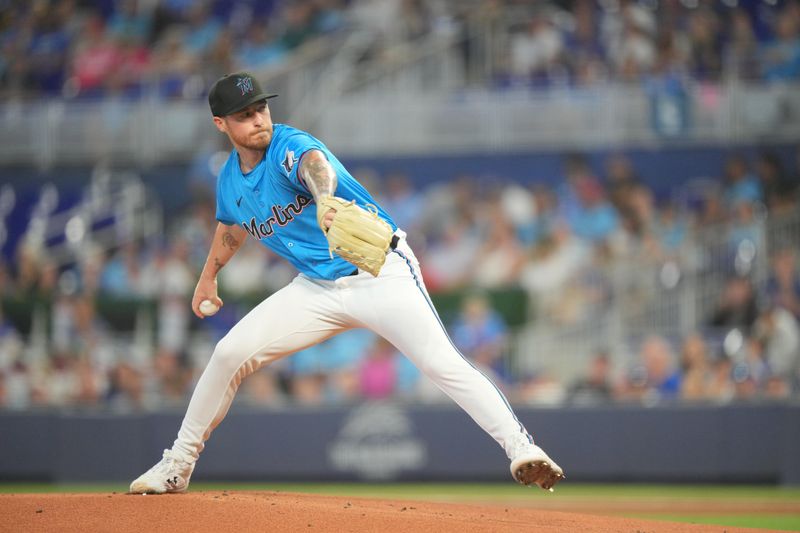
(169, 48)
(114, 328)
(585, 42)
(175, 48)
(595, 241)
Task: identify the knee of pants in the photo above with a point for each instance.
(227, 356)
(443, 366)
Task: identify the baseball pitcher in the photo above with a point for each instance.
(285, 189)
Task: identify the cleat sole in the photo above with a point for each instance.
(539, 473)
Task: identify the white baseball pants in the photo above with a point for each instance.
(394, 305)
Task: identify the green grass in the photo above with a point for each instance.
(577, 493)
(460, 490)
(783, 522)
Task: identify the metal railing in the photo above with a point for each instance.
(372, 122)
(116, 208)
(671, 298)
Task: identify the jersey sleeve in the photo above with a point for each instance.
(295, 145)
(223, 213)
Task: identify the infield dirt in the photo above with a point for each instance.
(218, 511)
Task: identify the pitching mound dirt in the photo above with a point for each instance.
(201, 512)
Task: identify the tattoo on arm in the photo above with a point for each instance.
(318, 174)
(217, 265)
(230, 241)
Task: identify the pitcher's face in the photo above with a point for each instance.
(250, 128)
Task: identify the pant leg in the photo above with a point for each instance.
(300, 315)
(396, 306)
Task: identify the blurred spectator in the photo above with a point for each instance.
(621, 181)
(631, 49)
(672, 231)
(130, 22)
(596, 386)
(49, 275)
(90, 267)
(585, 52)
(414, 20)
(11, 343)
(737, 306)
(500, 258)
(297, 23)
(783, 286)
(448, 261)
(480, 333)
(746, 237)
(552, 265)
(778, 332)
(176, 284)
(536, 52)
(378, 373)
(705, 42)
(132, 71)
(220, 58)
(721, 388)
(780, 56)
(637, 238)
(696, 370)
(125, 390)
(245, 273)
(530, 213)
(78, 330)
(202, 29)
(6, 280)
(89, 383)
(794, 178)
(172, 63)
(18, 386)
(329, 15)
(260, 48)
(596, 220)
(581, 43)
(712, 211)
(27, 265)
(654, 376)
(741, 185)
(749, 370)
(120, 274)
(403, 201)
(263, 391)
(741, 52)
(539, 388)
(778, 189)
(94, 58)
(48, 47)
(329, 372)
(583, 204)
(588, 293)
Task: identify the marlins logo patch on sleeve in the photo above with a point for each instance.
(289, 161)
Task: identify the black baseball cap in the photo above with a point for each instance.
(234, 92)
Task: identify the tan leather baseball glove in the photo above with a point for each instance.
(357, 235)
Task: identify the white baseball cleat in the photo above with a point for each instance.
(530, 465)
(170, 474)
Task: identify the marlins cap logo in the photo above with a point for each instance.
(245, 84)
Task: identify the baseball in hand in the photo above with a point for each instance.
(208, 308)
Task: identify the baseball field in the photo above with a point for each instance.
(573, 507)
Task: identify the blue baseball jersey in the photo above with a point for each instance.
(273, 205)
